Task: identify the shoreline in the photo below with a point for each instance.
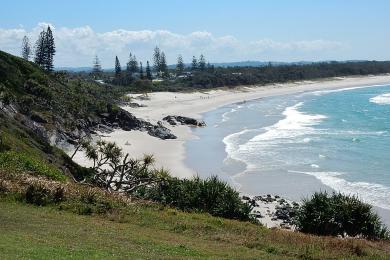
(170, 154)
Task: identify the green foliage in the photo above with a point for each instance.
(210, 195)
(37, 194)
(210, 77)
(36, 89)
(339, 214)
(16, 162)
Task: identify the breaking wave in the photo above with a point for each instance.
(383, 99)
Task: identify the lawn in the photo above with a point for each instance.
(150, 231)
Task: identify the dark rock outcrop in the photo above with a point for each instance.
(174, 120)
(126, 121)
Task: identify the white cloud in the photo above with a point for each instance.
(77, 46)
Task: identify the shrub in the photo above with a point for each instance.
(339, 214)
(3, 145)
(37, 194)
(22, 163)
(210, 195)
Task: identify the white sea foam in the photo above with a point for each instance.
(285, 130)
(225, 116)
(375, 194)
(383, 99)
(294, 124)
(322, 92)
(232, 142)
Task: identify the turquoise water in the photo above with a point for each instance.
(295, 144)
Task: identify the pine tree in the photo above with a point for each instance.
(40, 50)
(50, 50)
(180, 65)
(118, 69)
(141, 70)
(157, 59)
(132, 65)
(194, 65)
(164, 66)
(97, 68)
(26, 48)
(128, 64)
(148, 71)
(202, 62)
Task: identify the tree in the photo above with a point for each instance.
(26, 48)
(148, 71)
(339, 214)
(115, 171)
(202, 62)
(180, 65)
(164, 66)
(50, 50)
(40, 50)
(157, 59)
(118, 69)
(132, 65)
(141, 70)
(97, 67)
(194, 64)
(45, 50)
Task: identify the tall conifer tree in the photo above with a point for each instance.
(40, 55)
(26, 48)
(141, 70)
(194, 64)
(180, 64)
(97, 67)
(50, 50)
(118, 69)
(157, 59)
(202, 62)
(148, 71)
(164, 66)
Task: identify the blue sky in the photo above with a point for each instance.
(222, 30)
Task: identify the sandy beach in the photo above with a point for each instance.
(170, 154)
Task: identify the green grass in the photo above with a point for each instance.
(15, 162)
(155, 232)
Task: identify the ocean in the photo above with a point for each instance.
(294, 145)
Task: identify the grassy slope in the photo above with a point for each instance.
(152, 232)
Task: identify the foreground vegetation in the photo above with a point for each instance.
(83, 222)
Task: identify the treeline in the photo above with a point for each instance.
(135, 70)
(233, 76)
(199, 74)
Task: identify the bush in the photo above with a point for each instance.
(40, 195)
(22, 163)
(339, 214)
(210, 195)
(37, 194)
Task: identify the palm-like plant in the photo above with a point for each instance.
(115, 171)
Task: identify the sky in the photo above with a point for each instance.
(222, 30)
